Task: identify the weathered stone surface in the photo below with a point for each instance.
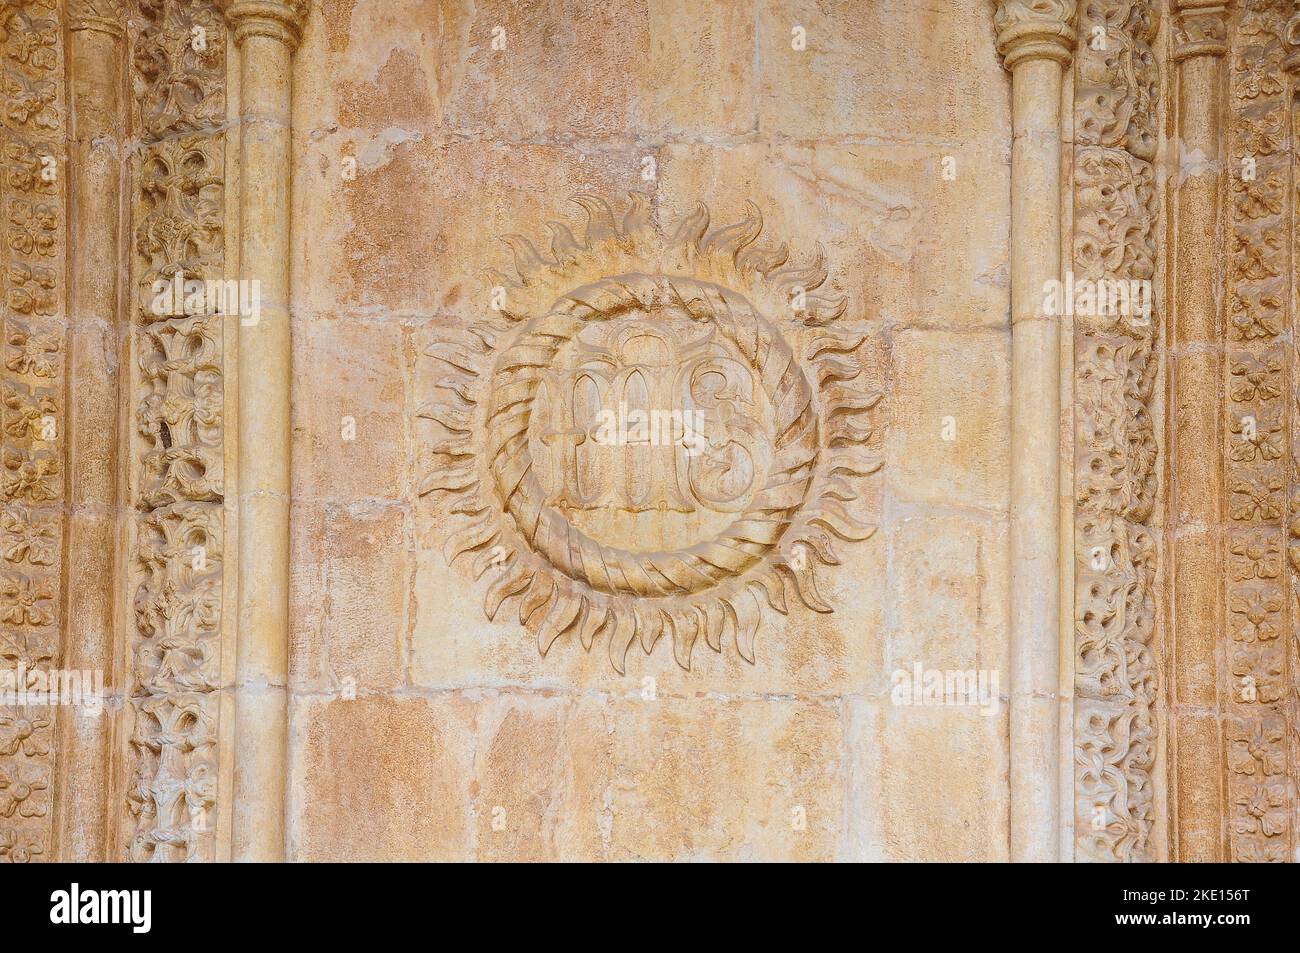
(412, 800)
(654, 441)
(351, 596)
(950, 436)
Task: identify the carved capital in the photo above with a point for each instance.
(280, 19)
(102, 16)
(1200, 28)
(1292, 37)
(1035, 29)
(1117, 82)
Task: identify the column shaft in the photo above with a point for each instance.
(1036, 40)
(1195, 452)
(95, 57)
(261, 713)
(1035, 434)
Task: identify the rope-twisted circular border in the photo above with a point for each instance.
(607, 569)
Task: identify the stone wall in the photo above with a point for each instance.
(421, 729)
(643, 429)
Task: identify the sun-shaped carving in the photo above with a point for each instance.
(652, 432)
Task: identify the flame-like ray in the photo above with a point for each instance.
(685, 629)
(805, 585)
(595, 618)
(539, 594)
(600, 219)
(527, 258)
(621, 637)
(563, 613)
(513, 580)
(692, 227)
(637, 218)
(470, 538)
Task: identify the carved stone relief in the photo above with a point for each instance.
(32, 138)
(1259, 475)
(661, 432)
(1232, 795)
(1115, 222)
(176, 476)
(657, 432)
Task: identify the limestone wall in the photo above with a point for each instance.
(422, 730)
(638, 429)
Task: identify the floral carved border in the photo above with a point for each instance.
(177, 404)
(1116, 213)
(32, 159)
(1259, 423)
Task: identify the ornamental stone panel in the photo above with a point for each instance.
(642, 429)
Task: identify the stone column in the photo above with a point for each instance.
(266, 33)
(1195, 491)
(96, 59)
(1291, 64)
(1036, 40)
